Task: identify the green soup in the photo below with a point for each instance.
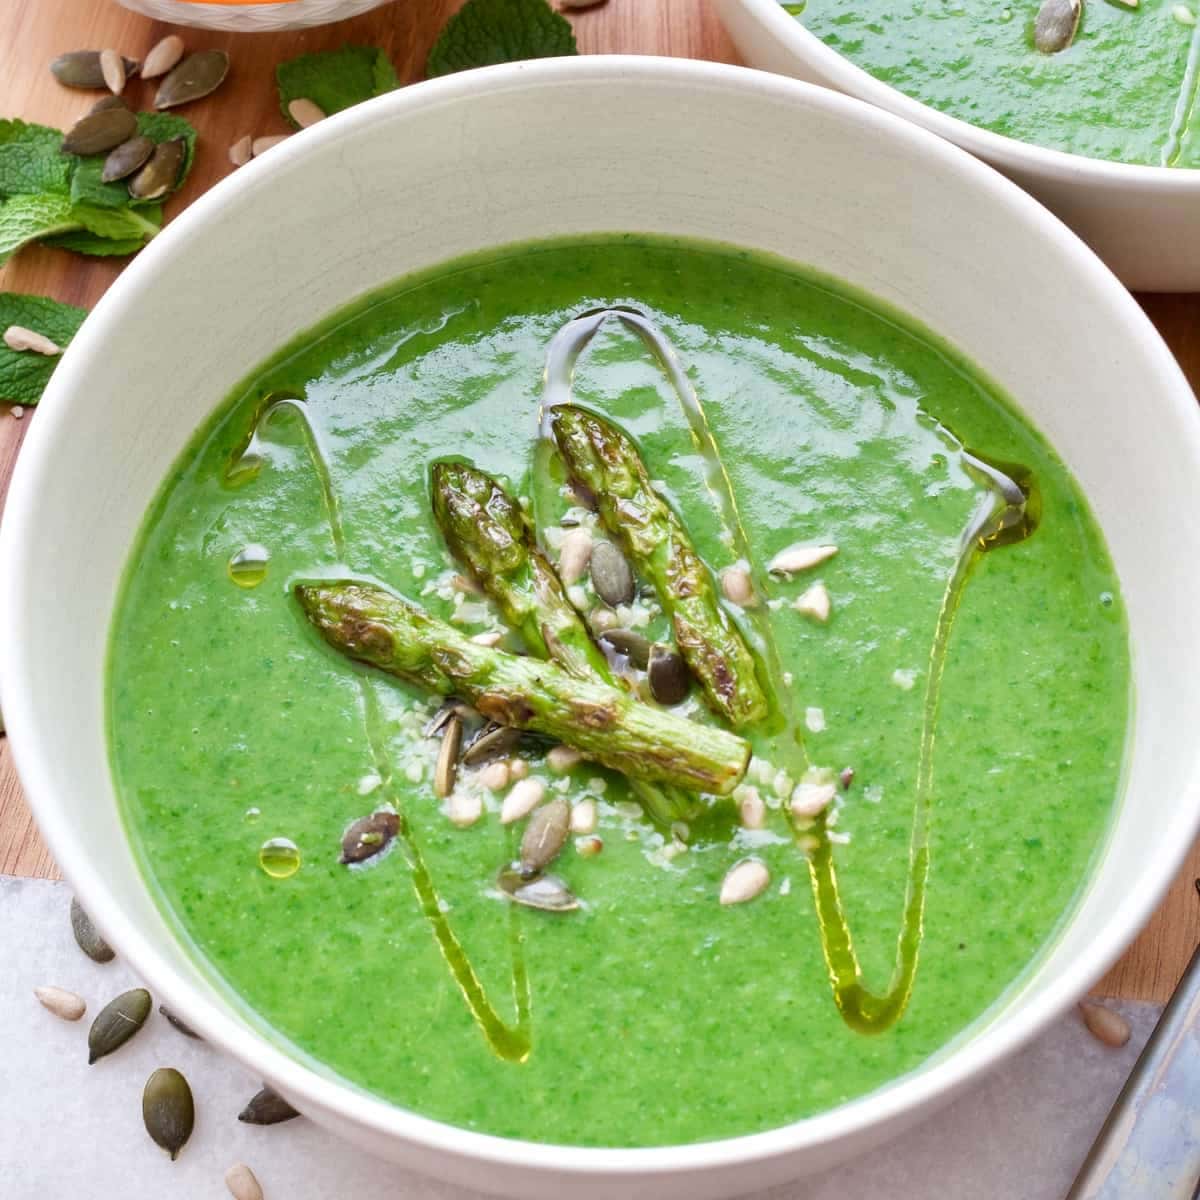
(1123, 90)
(652, 1013)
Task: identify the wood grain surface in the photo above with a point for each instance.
(32, 32)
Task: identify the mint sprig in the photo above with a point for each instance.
(335, 79)
(23, 373)
(484, 32)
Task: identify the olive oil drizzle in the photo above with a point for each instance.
(512, 1043)
(1008, 511)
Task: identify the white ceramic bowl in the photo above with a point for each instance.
(574, 146)
(246, 16)
(1143, 221)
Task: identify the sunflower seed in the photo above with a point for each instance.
(737, 586)
(109, 101)
(1056, 24)
(799, 558)
(117, 1022)
(745, 880)
(369, 836)
(630, 645)
(267, 1107)
(81, 69)
(548, 892)
(464, 808)
(562, 759)
(61, 1003)
(161, 173)
(494, 776)
(87, 937)
(242, 1184)
(127, 158)
(241, 151)
(668, 676)
(112, 69)
(811, 799)
(524, 796)
(447, 760)
(611, 576)
(815, 603)
(305, 112)
(492, 741)
(193, 78)
(261, 145)
(162, 56)
(183, 1028)
(545, 836)
(17, 337)
(1105, 1024)
(168, 1110)
(100, 131)
(574, 555)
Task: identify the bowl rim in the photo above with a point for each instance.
(302, 1082)
(1062, 166)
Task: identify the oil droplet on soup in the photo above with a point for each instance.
(279, 857)
(248, 567)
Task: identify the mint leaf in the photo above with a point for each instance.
(30, 160)
(83, 242)
(119, 223)
(26, 218)
(484, 32)
(23, 374)
(335, 79)
(86, 185)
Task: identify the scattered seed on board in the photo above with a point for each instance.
(447, 760)
(168, 1110)
(737, 586)
(574, 555)
(815, 603)
(242, 1183)
(162, 57)
(1105, 1023)
(87, 937)
(494, 776)
(17, 337)
(81, 69)
(109, 101)
(192, 78)
(811, 799)
(161, 173)
(126, 158)
(1056, 25)
(574, 5)
(562, 759)
(745, 880)
(800, 558)
(117, 1022)
(523, 797)
(261, 145)
(241, 151)
(267, 1107)
(305, 112)
(611, 576)
(464, 808)
(545, 836)
(583, 816)
(112, 68)
(99, 132)
(18, 411)
(61, 1003)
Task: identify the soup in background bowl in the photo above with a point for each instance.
(781, 360)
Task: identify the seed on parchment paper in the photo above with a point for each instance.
(117, 1022)
(168, 1110)
(61, 1003)
(242, 1183)
(267, 1107)
(1106, 1024)
(87, 937)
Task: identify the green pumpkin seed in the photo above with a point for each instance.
(630, 645)
(547, 892)
(267, 1107)
(611, 576)
(668, 676)
(117, 1022)
(81, 69)
(1056, 25)
(186, 1030)
(108, 102)
(126, 158)
(100, 131)
(86, 936)
(369, 836)
(545, 836)
(492, 741)
(168, 1110)
(161, 173)
(195, 77)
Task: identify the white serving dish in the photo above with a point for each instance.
(1143, 221)
(572, 146)
(245, 16)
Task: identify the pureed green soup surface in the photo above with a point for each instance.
(1124, 89)
(652, 1014)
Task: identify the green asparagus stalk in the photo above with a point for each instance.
(604, 459)
(376, 627)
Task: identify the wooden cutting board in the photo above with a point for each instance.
(33, 32)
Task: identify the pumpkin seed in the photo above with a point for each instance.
(667, 675)
(100, 131)
(162, 56)
(611, 576)
(61, 1003)
(629, 644)
(1056, 25)
(447, 709)
(745, 880)
(369, 836)
(267, 1107)
(492, 741)
(524, 796)
(112, 69)
(168, 1110)
(195, 77)
(571, 5)
(242, 1183)
(241, 151)
(305, 112)
(87, 937)
(126, 158)
(117, 1022)
(109, 101)
(17, 337)
(547, 893)
(186, 1030)
(545, 836)
(1105, 1024)
(161, 173)
(447, 760)
(81, 69)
